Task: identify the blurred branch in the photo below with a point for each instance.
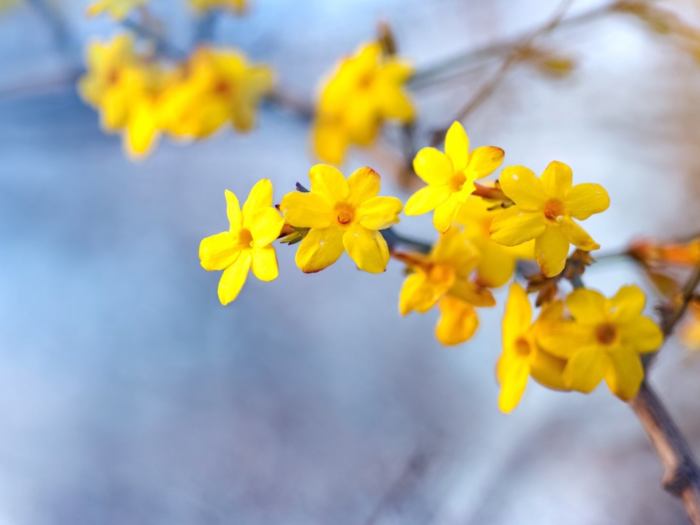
(300, 108)
(394, 238)
(671, 320)
(59, 27)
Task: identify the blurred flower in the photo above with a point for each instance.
(237, 6)
(364, 91)
(522, 356)
(247, 243)
(604, 340)
(216, 87)
(117, 9)
(496, 262)
(125, 87)
(690, 332)
(544, 210)
(450, 176)
(342, 215)
(443, 278)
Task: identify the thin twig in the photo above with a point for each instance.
(670, 321)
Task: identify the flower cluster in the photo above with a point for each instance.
(143, 97)
(484, 229)
(365, 90)
(120, 9)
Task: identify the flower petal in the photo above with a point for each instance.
(367, 248)
(265, 226)
(483, 161)
(319, 249)
(233, 211)
(265, 264)
(586, 369)
(628, 303)
(433, 166)
(260, 196)
(512, 375)
(583, 200)
(306, 210)
(445, 213)
(551, 250)
(556, 179)
(457, 323)
(364, 184)
(378, 213)
(512, 226)
(219, 251)
(234, 277)
(328, 182)
(418, 294)
(587, 306)
(577, 235)
(496, 264)
(642, 334)
(457, 146)
(625, 375)
(547, 369)
(517, 316)
(426, 199)
(522, 186)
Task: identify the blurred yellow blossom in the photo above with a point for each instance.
(604, 340)
(247, 243)
(117, 9)
(690, 331)
(450, 176)
(237, 6)
(342, 215)
(216, 87)
(443, 278)
(365, 90)
(544, 210)
(496, 262)
(522, 357)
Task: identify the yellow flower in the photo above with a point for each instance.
(690, 333)
(217, 87)
(522, 356)
(604, 340)
(117, 9)
(443, 278)
(247, 243)
(450, 176)
(237, 6)
(342, 215)
(544, 210)
(125, 88)
(496, 262)
(364, 91)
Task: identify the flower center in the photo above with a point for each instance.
(113, 77)
(440, 273)
(365, 81)
(522, 347)
(606, 333)
(345, 213)
(554, 208)
(223, 88)
(457, 181)
(245, 238)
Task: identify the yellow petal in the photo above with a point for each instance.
(319, 249)
(517, 317)
(330, 141)
(641, 334)
(446, 212)
(328, 182)
(475, 295)
(586, 369)
(583, 200)
(265, 264)
(367, 248)
(396, 104)
(234, 277)
(265, 226)
(364, 184)
(556, 179)
(142, 131)
(433, 166)
(496, 264)
(426, 199)
(588, 306)
(233, 211)
(522, 186)
(577, 235)
(512, 226)
(628, 303)
(306, 210)
(418, 294)
(513, 373)
(551, 250)
(483, 161)
(547, 369)
(625, 375)
(378, 213)
(457, 146)
(260, 196)
(457, 323)
(219, 251)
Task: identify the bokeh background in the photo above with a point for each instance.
(129, 395)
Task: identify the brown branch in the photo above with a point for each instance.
(681, 474)
(670, 321)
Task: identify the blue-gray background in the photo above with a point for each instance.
(129, 395)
